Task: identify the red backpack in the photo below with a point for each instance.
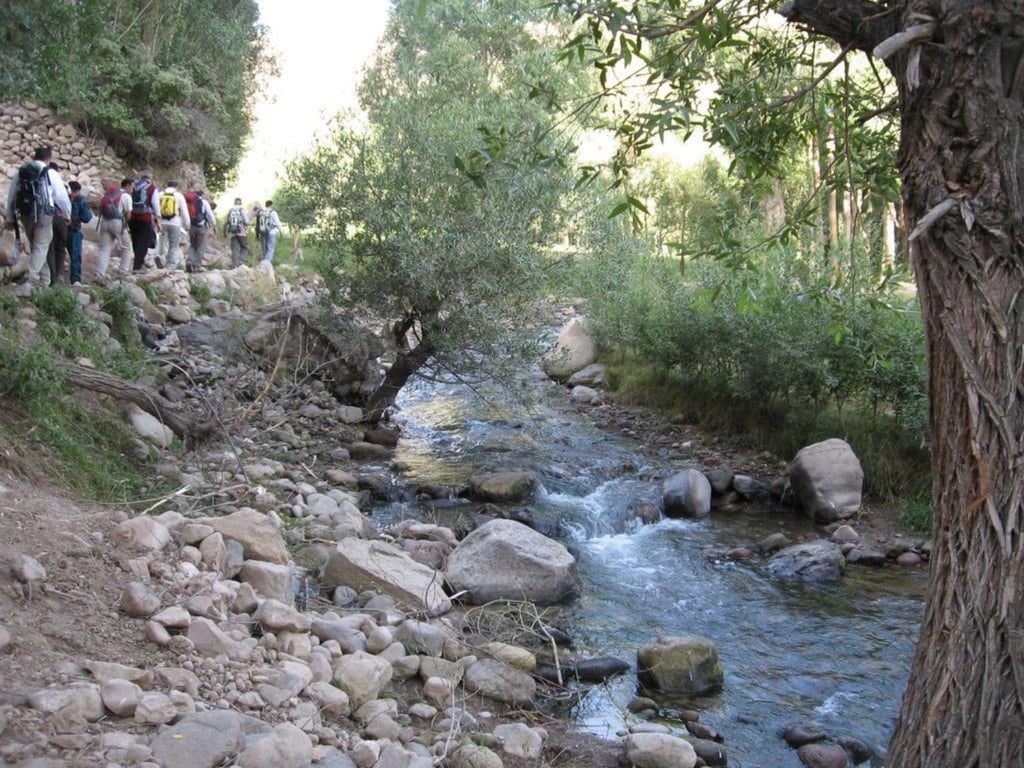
(110, 205)
(195, 208)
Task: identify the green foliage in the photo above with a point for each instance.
(916, 514)
(84, 444)
(773, 353)
(200, 291)
(438, 211)
(162, 80)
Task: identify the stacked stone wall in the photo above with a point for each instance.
(24, 127)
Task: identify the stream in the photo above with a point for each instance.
(835, 656)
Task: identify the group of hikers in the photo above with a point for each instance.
(134, 218)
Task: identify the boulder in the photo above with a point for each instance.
(573, 350)
(376, 565)
(815, 561)
(500, 682)
(504, 559)
(520, 740)
(150, 427)
(362, 677)
(659, 750)
(823, 756)
(276, 616)
(827, 480)
(284, 747)
(142, 532)
(585, 395)
(254, 531)
(865, 556)
(472, 756)
(591, 376)
(680, 664)
(268, 580)
(502, 487)
(686, 494)
(205, 739)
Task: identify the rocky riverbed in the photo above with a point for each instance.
(305, 590)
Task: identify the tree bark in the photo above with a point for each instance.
(962, 130)
(407, 362)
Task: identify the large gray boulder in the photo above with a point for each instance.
(376, 565)
(573, 350)
(321, 341)
(686, 494)
(680, 664)
(506, 560)
(205, 739)
(815, 561)
(827, 480)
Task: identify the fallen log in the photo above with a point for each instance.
(153, 403)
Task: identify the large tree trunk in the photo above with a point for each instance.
(962, 133)
(961, 149)
(407, 362)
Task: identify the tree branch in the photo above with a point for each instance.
(858, 24)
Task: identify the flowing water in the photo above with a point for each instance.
(835, 656)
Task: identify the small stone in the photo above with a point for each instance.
(121, 697)
(174, 617)
(155, 708)
(908, 558)
(157, 633)
(138, 600)
(28, 570)
(823, 756)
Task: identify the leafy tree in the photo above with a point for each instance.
(427, 217)
(957, 72)
(162, 80)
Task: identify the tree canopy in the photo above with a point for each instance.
(163, 81)
(436, 212)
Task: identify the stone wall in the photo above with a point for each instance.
(25, 127)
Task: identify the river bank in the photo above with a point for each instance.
(294, 457)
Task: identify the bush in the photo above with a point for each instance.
(764, 355)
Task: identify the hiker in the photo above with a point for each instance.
(55, 254)
(116, 213)
(173, 215)
(36, 194)
(81, 214)
(268, 226)
(141, 224)
(237, 226)
(203, 222)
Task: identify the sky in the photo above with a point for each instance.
(321, 47)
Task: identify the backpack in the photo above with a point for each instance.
(110, 205)
(236, 221)
(32, 199)
(169, 205)
(196, 209)
(140, 197)
(263, 222)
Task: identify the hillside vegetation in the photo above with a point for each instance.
(161, 81)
